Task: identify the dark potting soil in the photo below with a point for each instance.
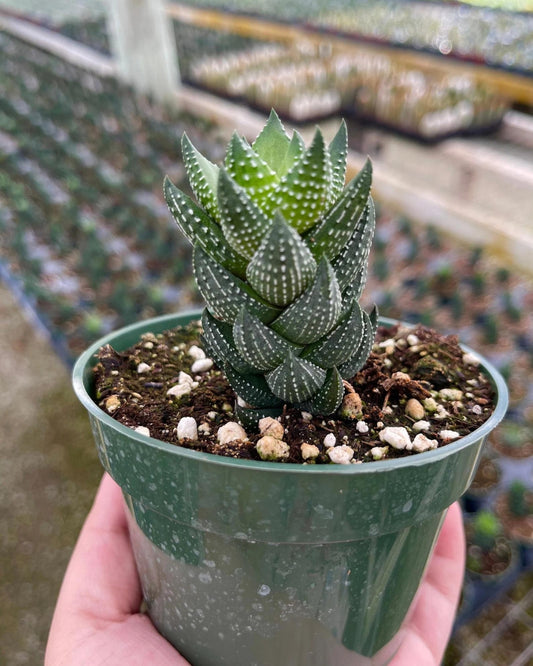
(405, 365)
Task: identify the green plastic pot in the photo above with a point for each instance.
(263, 564)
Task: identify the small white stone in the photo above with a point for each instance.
(422, 443)
(179, 390)
(470, 359)
(379, 452)
(330, 440)
(398, 437)
(143, 367)
(412, 340)
(112, 403)
(430, 404)
(450, 394)
(196, 352)
(230, 432)
(477, 409)
(449, 435)
(387, 410)
(202, 365)
(415, 409)
(362, 427)
(380, 425)
(272, 427)
(142, 430)
(212, 415)
(309, 451)
(441, 413)
(187, 429)
(306, 416)
(271, 448)
(148, 345)
(387, 343)
(204, 428)
(184, 378)
(421, 425)
(340, 455)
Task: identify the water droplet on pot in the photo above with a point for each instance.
(264, 590)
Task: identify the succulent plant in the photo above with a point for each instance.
(280, 257)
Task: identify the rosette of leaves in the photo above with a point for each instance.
(280, 256)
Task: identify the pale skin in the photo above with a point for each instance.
(97, 619)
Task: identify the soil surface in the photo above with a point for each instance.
(415, 364)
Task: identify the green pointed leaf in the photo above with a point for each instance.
(337, 227)
(200, 229)
(253, 389)
(250, 417)
(226, 294)
(243, 222)
(294, 153)
(295, 380)
(315, 312)
(303, 191)
(259, 345)
(327, 399)
(354, 255)
(357, 361)
(339, 345)
(203, 177)
(338, 150)
(283, 265)
(219, 345)
(251, 172)
(272, 143)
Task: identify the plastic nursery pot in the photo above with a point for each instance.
(485, 482)
(264, 564)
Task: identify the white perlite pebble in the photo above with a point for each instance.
(202, 365)
(477, 409)
(230, 432)
(379, 452)
(306, 416)
(362, 427)
(423, 443)
(143, 367)
(448, 435)
(470, 359)
(397, 437)
(340, 455)
(271, 448)
(187, 428)
(412, 340)
(441, 413)
(421, 425)
(204, 428)
(330, 440)
(179, 390)
(212, 415)
(184, 378)
(272, 427)
(142, 430)
(309, 451)
(450, 394)
(430, 404)
(196, 352)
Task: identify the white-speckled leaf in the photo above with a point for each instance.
(294, 152)
(200, 229)
(295, 380)
(354, 255)
(337, 227)
(226, 294)
(341, 343)
(260, 346)
(251, 388)
(251, 172)
(219, 345)
(283, 266)
(357, 361)
(272, 143)
(244, 224)
(315, 312)
(303, 192)
(338, 150)
(203, 177)
(327, 399)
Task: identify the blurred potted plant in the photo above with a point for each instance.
(249, 553)
(514, 507)
(490, 555)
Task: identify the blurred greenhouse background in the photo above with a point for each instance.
(443, 103)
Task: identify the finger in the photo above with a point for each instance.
(101, 580)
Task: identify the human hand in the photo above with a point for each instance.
(430, 624)
(97, 619)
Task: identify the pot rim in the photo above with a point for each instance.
(87, 358)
